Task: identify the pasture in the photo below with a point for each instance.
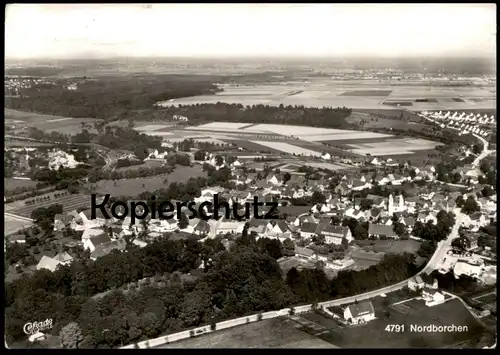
(49, 123)
(271, 333)
(133, 187)
(11, 183)
(374, 335)
(147, 164)
(390, 246)
(13, 225)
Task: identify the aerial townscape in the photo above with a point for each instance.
(195, 200)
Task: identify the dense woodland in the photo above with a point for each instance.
(108, 98)
(245, 280)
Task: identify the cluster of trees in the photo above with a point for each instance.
(111, 98)
(313, 285)
(53, 136)
(359, 230)
(468, 206)
(326, 117)
(435, 232)
(490, 173)
(126, 138)
(122, 163)
(44, 217)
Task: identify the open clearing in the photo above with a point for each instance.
(133, 187)
(12, 224)
(272, 333)
(373, 334)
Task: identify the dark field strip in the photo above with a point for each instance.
(457, 99)
(380, 93)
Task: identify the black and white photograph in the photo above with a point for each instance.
(252, 175)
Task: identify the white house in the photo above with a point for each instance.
(48, 263)
(359, 313)
(432, 296)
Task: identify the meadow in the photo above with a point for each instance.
(133, 187)
(271, 333)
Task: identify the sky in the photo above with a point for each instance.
(260, 30)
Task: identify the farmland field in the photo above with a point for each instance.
(272, 333)
(374, 335)
(365, 94)
(69, 202)
(15, 143)
(288, 148)
(132, 187)
(382, 93)
(48, 123)
(394, 147)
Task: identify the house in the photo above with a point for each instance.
(358, 185)
(17, 238)
(341, 189)
(426, 216)
(335, 234)
(106, 248)
(380, 230)
(416, 283)
(308, 230)
(58, 223)
(304, 253)
(432, 296)
(48, 263)
(201, 228)
(359, 313)
(64, 258)
(472, 268)
(299, 221)
(279, 227)
(409, 222)
(93, 242)
(477, 219)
